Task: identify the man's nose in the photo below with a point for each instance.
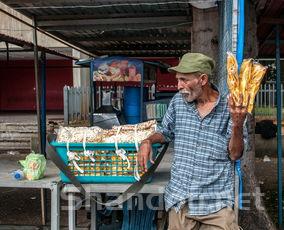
(180, 85)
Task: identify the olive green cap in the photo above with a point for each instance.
(194, 62)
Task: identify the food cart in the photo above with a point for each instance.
(124, 84)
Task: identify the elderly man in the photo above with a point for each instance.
(207, 130)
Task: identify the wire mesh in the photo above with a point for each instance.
(107, 163)
(227, 43)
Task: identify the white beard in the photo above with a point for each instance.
(191, 95)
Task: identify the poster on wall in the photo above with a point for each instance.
(117, 69)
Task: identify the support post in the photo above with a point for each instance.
(43, 126)
(7, 52)
(142, 93)
(279, 126)
(71, 211)
(55, 206)
(93, 95)
(66, 104)
(43, 102)
(38, 85)
(93, 214)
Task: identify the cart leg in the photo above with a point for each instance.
(71, 211)
(43, 206)
(93, 214)
(55, 206)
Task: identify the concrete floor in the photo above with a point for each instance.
(22, 206)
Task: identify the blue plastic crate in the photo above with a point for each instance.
(107, 167)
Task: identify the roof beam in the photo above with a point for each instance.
(44, 32)
(118, 27)
(40, 2)
(147, 53)
(142, 51)
(141, 47)
(15, 50)
(59, 17)
(112, 21)
(161, 37)
(27, 45)
(67, 2)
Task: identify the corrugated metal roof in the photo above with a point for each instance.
(111, 27)
(135, 27)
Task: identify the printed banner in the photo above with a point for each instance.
(117, 69)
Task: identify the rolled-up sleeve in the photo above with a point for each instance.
(167, 127)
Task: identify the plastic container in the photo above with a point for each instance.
(18, 174)
(132, 103)
(108, 167)
(132, 119)
(131, 106)
(131, 95)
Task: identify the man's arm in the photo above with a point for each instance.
(155, 138)
(145, 149)
(236, 144)
(164, 133)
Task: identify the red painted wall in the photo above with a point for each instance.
(17, 84)
(165, 81)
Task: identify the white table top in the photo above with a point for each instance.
(9, 164)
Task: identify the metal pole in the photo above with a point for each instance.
(240, 54)
(8, 51)
(43, 102)
(38, 84)
(279, 125)
(142, 92)
(43, 127)
(38, 87)
(93, 94)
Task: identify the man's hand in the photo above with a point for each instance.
(145, 150)
(144, 154)
(238, 116)
(238, 111)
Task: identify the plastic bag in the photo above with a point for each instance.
(246, 83)
(34, 166)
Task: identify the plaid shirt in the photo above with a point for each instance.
(202, 173)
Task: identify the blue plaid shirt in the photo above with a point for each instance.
(202, 173)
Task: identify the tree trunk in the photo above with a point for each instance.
(204, 33)
(205, 30)
(254, 216)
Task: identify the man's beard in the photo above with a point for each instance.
(191, 95)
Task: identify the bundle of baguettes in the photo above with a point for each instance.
(121, 134)
(245, 84)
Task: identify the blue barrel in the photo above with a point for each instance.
(132, 104)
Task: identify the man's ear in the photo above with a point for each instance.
(204, 79)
